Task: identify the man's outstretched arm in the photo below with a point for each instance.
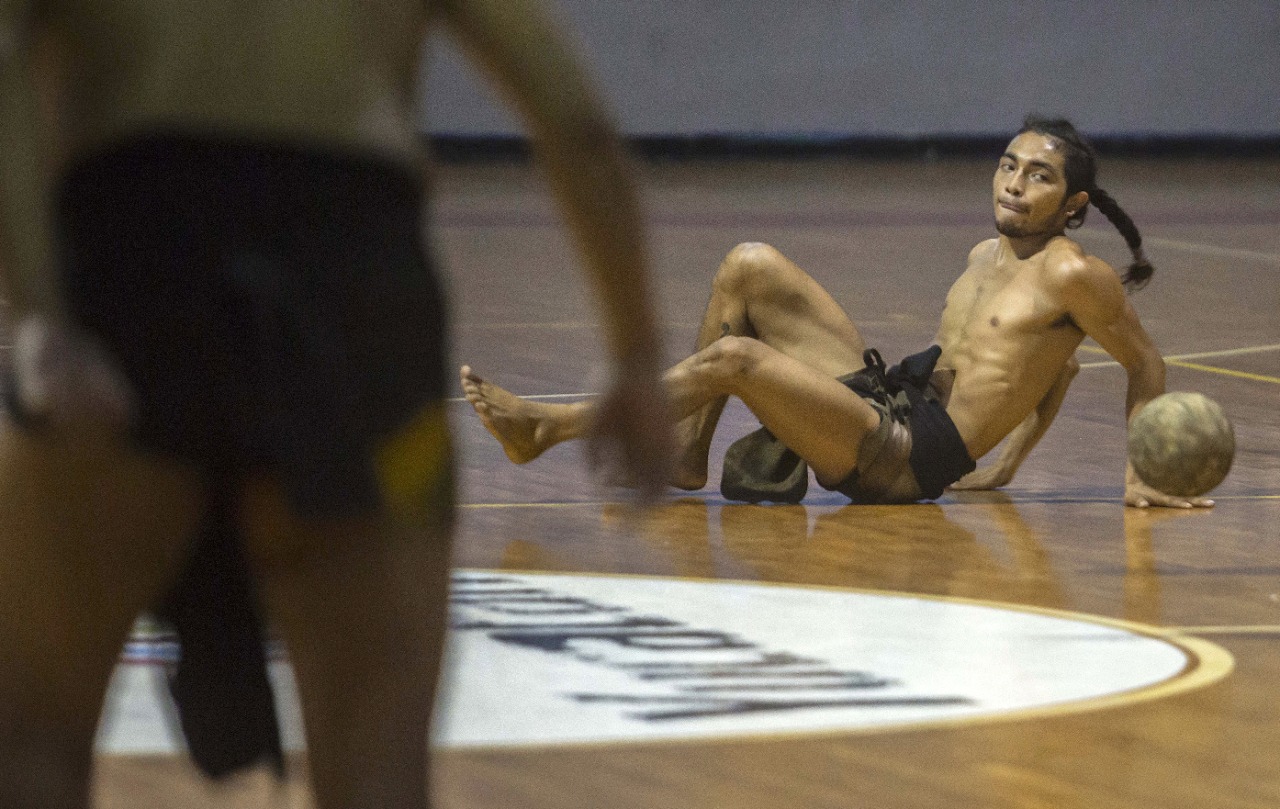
(1023, 439)
(1096, 301)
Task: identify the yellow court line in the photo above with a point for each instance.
(1179, 360)
(1197, 355)
(1195, 366)
(1223, 630)
(1226, 352)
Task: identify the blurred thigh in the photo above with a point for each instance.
(361, 603)
(91, 531)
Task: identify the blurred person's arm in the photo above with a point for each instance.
(26, 247)
(576, 144)
(60, 373)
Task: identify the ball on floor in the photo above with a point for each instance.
(1182, 443)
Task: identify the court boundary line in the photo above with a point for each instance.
(1214, 250)
(1195, 366)
(538, 396)
(715, 501)
(1180, 361)
(1224, 630)
(1203, 355)
(1196, 247)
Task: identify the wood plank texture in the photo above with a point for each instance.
(886, 238)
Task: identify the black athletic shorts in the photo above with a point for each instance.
(272, 306)
(758, 467)
(904, 393)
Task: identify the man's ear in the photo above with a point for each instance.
(1076, 202)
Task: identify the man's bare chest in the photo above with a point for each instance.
(993, 305)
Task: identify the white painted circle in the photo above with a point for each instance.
(549, 659)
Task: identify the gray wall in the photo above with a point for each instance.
(782, 68)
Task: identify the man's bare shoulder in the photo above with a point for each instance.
(1080, 281)
(1066, 264)
(983, 249)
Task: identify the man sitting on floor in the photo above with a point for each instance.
(1004, 356)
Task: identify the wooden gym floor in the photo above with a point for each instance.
(886, 238)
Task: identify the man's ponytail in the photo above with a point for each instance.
(1081, 168)
(1140, 271)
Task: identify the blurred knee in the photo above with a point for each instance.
(747, 268)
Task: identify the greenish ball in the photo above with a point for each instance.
(1182, 443)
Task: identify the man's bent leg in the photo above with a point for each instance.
(90, 533)
(758, 292)
(795, 401)
(361, 605)
(817, 417)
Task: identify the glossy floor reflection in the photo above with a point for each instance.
(887, 239)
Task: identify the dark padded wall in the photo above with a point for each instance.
(815, 68)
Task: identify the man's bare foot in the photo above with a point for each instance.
(525, 429)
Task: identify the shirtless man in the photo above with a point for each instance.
(210, 226)
(775, 339)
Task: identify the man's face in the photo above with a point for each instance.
(1030, 187)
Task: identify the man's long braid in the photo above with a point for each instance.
(1081, 166)
(1140, 271)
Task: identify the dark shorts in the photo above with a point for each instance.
(274, 310)
(903, 393)
(759, 468)
(272, 306)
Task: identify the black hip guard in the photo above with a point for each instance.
(914, 431)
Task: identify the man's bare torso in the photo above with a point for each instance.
(335, 73)
(1006, 337)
